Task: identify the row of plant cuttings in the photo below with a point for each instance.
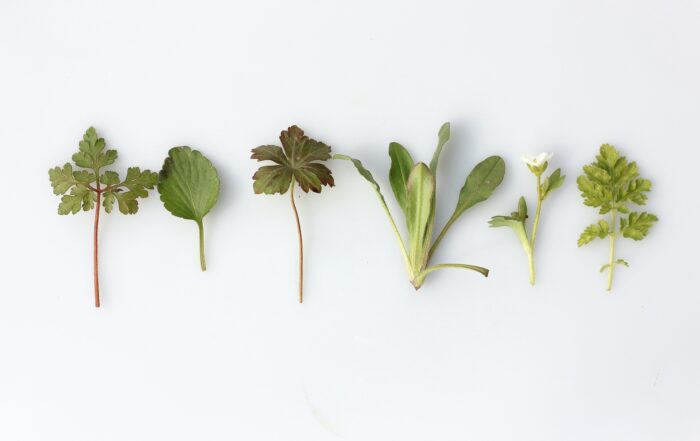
(189, 187)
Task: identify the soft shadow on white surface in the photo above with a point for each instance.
(176, 354)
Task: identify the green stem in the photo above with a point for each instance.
(441, 235)
(613, 228)
(404, 253)
(483, 271)
(202, 261)
(535, 224)
(531, 262)
(537, 213)
(418, 280)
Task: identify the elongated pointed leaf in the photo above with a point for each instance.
(420, 210)
(401, 166)
(480, 184)
(377, 190)
(443, 137)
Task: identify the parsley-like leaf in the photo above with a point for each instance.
(85, 190)
(636, 225)
(611, 184)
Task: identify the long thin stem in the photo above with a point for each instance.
(202, 260)
(483, 271)
(420, 277)
(537, 213)
(535, 224)
(301, 244)
(404, 253)
(613, 228)
(94, 239)
(440, 236)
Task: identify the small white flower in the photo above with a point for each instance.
(537, 161)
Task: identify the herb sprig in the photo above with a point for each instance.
(297, 162)
(414, 187)
(517, 220)
(88, 188)
(611, 184)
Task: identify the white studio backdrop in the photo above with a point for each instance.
(175, 354)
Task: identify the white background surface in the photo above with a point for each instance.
(228, 355)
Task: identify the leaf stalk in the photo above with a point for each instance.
(202, 260)
(95, 246)
(301, 242)
(613, 229)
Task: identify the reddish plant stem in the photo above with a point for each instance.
(301, 245)
(94, 238)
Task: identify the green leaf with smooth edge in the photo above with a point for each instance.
(420, 211)
(517, 225)
(401, 166)
(480, 184)
(522, 209)
(443, 137)
(552, 182)
(516, 222)
(297, 159)
(377, 190)
(188, 184)
(189, 188)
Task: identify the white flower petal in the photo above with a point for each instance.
(528, 159)
(543, 157)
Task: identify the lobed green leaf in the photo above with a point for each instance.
(636, 226)
(296, 160)
(594, 231)
(62, 179)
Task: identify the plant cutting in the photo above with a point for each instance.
(516, 221)
(611, 183)
(414, 186)
(297, 162)
(88, 187)
(189, 188)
